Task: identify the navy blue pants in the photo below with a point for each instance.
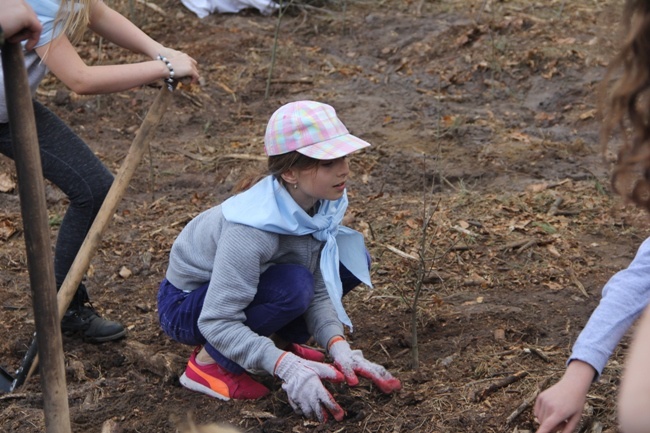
(283, 295)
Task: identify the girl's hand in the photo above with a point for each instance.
(559, 408)
(352, 362)
(169, 52)
(19, 23)
(302, 383)
(184, 65)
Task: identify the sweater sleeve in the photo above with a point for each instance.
(624, 298)
(233, 285)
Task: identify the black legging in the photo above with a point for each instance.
(70, 165)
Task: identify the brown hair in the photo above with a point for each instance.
(276, 165)
(625, 106)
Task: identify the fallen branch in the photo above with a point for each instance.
(461, 230)
(567, 212)
(153, 7)
(285, 81)
(228, 90)
(527, 245)
(400, 252)
(523, 244)
(515, 244)
(246, 156)
(527, 401)
(578, 283)
(538, 353)
(499, 385)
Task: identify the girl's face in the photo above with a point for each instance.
(326, 181)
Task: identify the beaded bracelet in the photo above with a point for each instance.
(170, 79)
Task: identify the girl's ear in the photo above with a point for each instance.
(289, 176)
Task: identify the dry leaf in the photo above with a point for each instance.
(7, 229)
(589, 114)
(7, 184)
(566, 41)
(551, 249)
(537, 187)
(125, 272)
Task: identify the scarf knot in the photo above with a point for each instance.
(268, 206)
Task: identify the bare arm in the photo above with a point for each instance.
(634, 398)
(63, 60)
(114, 27)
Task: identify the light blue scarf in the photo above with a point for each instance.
(269, 206)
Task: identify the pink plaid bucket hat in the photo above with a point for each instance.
(310, 128)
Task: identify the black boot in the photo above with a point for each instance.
(81, 318)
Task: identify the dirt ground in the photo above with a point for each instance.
(482, 116)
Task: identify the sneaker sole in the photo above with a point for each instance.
(195, 386)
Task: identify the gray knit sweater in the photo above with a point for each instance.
(232, 257)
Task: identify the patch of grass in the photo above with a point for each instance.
(54, 220)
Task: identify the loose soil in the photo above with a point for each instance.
(485, 193)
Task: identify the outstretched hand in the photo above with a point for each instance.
(302, 383)
(559, 408)
(352, 362)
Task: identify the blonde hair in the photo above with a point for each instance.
(73, 18)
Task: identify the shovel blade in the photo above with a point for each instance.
(6, 381)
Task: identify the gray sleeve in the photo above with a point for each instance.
(233, 284)
(624, 298)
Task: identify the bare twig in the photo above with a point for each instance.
(281, 10)
(480, 396)
(527, 401)
(577, 282)
(421, 273)
(469, 233)
(154, 7)
(515, 244)
(539, 354)
(400, 252)
(527, 245)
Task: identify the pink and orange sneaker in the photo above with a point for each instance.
(306, 352)
(217, 382)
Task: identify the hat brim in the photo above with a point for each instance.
(334, 147)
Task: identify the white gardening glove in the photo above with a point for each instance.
(302, 383)
(351, 362)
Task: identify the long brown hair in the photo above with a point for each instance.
(276, 165)
(625, 105)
